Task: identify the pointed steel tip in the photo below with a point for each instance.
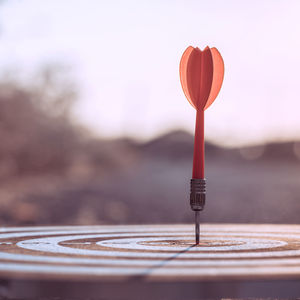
(197, 226)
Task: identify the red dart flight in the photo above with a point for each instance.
(201, 76)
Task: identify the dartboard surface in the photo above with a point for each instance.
(164, 254)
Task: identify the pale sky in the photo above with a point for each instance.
(125, 58)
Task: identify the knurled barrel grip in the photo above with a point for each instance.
(197, 194)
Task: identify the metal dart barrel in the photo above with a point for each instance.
(197, 202)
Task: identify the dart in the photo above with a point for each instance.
(201, 77)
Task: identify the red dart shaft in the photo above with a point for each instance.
(198, 161)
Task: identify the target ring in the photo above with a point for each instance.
(140, 250)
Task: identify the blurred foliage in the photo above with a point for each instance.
(44, 152)
(36, 132)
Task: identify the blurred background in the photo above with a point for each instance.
(95, 129)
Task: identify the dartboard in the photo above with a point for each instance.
(157, 253)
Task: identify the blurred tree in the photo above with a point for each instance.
(36, 132)
(54, 92)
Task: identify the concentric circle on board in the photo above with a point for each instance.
(224, 250)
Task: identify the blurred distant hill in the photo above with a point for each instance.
(179, 144)
(53, 171)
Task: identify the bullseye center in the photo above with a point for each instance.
(186, 243)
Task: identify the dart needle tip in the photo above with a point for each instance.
(197, 226)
